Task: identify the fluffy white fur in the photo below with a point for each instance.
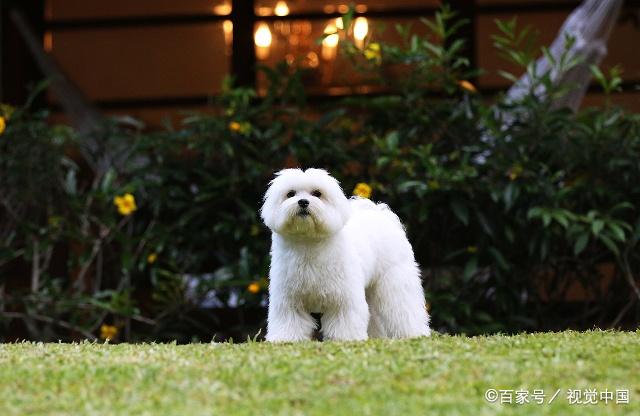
(348, 259)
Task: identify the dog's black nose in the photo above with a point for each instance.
(303, 203)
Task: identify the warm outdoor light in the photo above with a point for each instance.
(222, 9)
(263, 36)
(329, 8)
(262, 39)
(227, 26)
(227, 30)
(330, 43)
(360, 30)
(281, 8)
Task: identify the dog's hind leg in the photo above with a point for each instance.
(375, 328)
(397, 305)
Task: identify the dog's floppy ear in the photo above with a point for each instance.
(266, 210)
(269, 201)
(340, 201)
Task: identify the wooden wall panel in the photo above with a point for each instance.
(85, 9)
(147, 62)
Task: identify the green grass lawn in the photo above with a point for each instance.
(438, 375)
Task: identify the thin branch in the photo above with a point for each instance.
(62, 324)
(35, 266)
(97, 245)
(626, 270)
(623, 312)
(143, 242)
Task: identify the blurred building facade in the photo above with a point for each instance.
(153, 59)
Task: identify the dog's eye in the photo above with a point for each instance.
(291, 194)
(316, 193)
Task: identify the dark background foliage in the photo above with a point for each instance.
(522, 215)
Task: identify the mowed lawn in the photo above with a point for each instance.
(438, 375)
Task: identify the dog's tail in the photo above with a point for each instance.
(358, 203)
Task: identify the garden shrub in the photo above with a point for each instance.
(505, 203)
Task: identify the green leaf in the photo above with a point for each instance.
(561, 218)
(70, 183)
(508, 232)
(534, 212)
(596, 227)
(470, 268)
(581, 243)
(618, 232)
(460, 210)
(499, 258)
(107, 180)
(347, 18)
(392, 140)
(508, 76)
(407, 185)
(510, 195)
(484, 223)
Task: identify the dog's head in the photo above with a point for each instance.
(308, 204)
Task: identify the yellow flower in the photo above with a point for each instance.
(108, 332)
(466, 85)
(362, 190)
(152, 257)
(54, 221)
(433, 184)
(240, 127)
(126, 204)
(472, 249)
(234, 126)
(3, 124)
(514, 172)
(254, 287)
(6, 111)
(372, 52)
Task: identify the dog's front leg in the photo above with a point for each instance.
(348, 321)
(286, 323)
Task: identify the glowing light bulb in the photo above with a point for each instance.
(281, 8)
(263, 39)
(333, 38)
(360, 30)
(227, 26)
(339, 23)
(330, 43)
(263, 36)
(227, 30)
(222, 9)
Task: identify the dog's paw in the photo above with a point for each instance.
(284, 338)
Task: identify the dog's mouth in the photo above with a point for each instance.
(303, 212)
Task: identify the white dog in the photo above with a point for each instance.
(347, 259)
